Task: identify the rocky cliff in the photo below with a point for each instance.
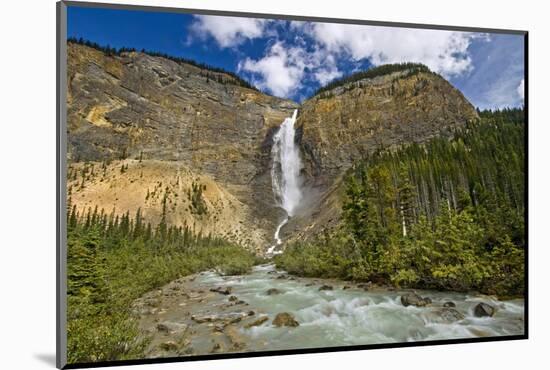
(347, 122)
(138, 106)
(148, 124)
(344, 124)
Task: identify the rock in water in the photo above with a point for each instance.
(484, 310)
(449, 304)
(325, 287)
(413, 299)
(221, 290)
(273, 291)
(450, 314)
(257, 322)
(285, 319)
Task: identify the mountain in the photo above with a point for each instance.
(164, 118)
(339, 126)
(360, 117)
(147, 131)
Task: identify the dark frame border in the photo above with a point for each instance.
(61, 145)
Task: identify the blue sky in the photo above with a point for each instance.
(292, 59)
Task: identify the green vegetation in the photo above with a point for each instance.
(194, 195)
(385, 69)
(112, 260)
(209, 72)
(445, 215)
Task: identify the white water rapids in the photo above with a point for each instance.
(353, 316)
(285, 174)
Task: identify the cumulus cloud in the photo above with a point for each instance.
(445, 52)
(279, 71)
(228, 31)
(302, 55)
(324, 76)
(521, 89)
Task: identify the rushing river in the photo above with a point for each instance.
(336, 317)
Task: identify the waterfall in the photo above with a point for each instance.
(285, 173)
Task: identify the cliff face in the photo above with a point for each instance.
(136, 106)
(152, 127)
(344, 124)
(352, 120)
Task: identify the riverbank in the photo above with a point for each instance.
(271, 310)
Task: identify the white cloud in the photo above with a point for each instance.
(317, 49)
(445, 52)
(228, 31)
(324, 76)
(280, 70)
(521, 89)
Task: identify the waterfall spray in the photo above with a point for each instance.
(285, 173)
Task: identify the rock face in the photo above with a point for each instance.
(174, 125)
(140, 106)
(121, 106)
(363, 116)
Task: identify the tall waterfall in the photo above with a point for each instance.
(285, 173)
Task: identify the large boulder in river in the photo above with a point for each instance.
(484, 310)
(413, 299)
(449, 314)
(285, 319)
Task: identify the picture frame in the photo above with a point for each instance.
(63, 133)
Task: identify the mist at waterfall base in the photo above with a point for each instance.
(285, 174)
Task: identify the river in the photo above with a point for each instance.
(209, 313)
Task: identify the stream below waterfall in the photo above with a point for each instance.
(209, 313)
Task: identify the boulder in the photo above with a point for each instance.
(226, 318)
(449, 314)
(484, 310)
(222, 290)
(325, 287)
(413, 299)
(257, 322)
(449, 304)
(171, 327)
(169, 345)
(285, 319)
(233, 298)
(273, 291)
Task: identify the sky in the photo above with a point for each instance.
(292, 59)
